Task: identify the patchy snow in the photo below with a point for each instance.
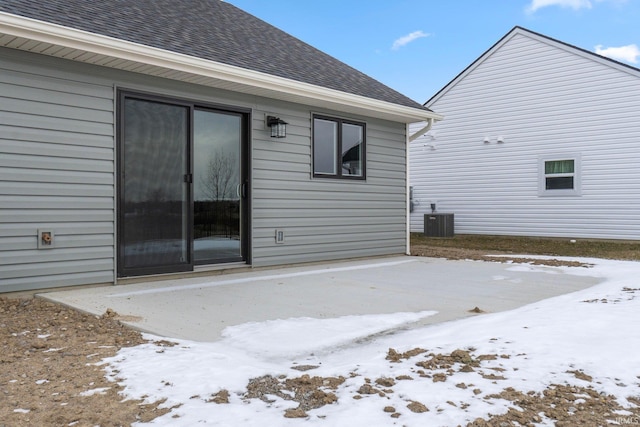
(562, 340)
(273, 338)
(99, 390)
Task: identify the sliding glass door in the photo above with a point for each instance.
(182, 185)
(154, 203)
(217, 187)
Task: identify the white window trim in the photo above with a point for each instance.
(577, 175)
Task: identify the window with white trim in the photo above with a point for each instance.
(559, 176)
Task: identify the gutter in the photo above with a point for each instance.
(424, 130)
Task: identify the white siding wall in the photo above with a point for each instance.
(544, 100)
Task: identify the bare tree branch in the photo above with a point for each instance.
(220, 172)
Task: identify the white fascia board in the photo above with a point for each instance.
(84, 41)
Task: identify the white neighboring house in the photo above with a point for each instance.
(540, 138)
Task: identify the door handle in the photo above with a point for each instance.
(244, 189)
(241, 190)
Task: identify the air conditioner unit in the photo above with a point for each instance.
(438, 225)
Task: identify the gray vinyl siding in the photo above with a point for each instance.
(57, 172)
(546, 100)
(327, 219)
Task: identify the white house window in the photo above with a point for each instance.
(338, 148)
(559, 176)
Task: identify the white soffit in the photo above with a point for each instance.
(40, 37)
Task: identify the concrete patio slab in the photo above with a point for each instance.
(200, 308)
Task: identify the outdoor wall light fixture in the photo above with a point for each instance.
(278, 127)
(486, 140)
(500, 139)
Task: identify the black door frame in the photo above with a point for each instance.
(245, 178)
(243, 182)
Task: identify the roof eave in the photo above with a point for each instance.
(55, 40)
(517, 30)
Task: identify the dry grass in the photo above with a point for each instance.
(609, 249)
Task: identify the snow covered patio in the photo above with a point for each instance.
(348, 345)
(200, 308)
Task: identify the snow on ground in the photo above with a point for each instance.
(592, 332)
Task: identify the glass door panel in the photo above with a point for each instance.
(217, 186)
(154, 201)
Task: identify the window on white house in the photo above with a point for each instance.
(560, 176)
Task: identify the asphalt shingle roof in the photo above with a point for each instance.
(212, 30)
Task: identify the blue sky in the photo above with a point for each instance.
(418, 46)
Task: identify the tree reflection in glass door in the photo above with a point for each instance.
(217, 186)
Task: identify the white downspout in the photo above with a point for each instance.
(422, 131)
(408, 191)
(411, 138)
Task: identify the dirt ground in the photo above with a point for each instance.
(481, 255)
(50, 373)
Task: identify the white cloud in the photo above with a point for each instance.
(628, 53)
(573, 4)
(404, 40)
